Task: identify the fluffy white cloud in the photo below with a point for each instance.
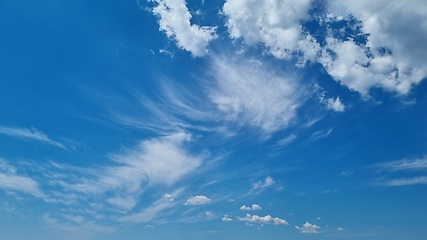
(253, 208)
(273, 23)
(32, 134)
(249, 93)
(308, 228)
(394, 57)
(174, 20)
(227, 218)
(335, 104)
(198, 200)
(266, 219)
(11, 180)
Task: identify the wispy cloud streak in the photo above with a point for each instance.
(31, 134)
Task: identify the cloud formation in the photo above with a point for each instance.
(393, 57)
(11, 180)
(275, 24)
(308, 228)
(31, 134)
(174, 20)
(262, 220)
(253, 208)
(198, 200)
(250, 93)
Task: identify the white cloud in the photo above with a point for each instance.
(253, 208)
(149, 213)
(406, 181)
(405, 164)
(174, 20)
(274, 23)
(198, 200)
(266, 219)
(400, 28)
(287, 140)
(260, 185)
(31, 134)
(227, 218)
(249, 93)
(308, 228)
(11, 180)
(320, 134)
(335, 104)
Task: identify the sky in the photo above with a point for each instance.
(230, 119)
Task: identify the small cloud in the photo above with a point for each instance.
(346, 173)
(253, 208)
(198, 200)
(335, 104)
(320, 134)
(268, 181)
(308, 228)
(340, 229)
(227, 218)
(169, 197)
(31, 134)
(209, 214)
(266, 219)
(287, 140)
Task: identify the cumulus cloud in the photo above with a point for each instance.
(394, 56)
(249, 93)
(253, 208)
(275, 24)
(31, 134)
(335, 104)
(308, 228)
(227, 218)
(198, 200)
(174, 20)
(266, 219)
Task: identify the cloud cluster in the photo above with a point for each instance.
(275, 24)
(308, 228)
(174, 20)
(266, 219)
(198, 200)
(253, 208)
(393, 57)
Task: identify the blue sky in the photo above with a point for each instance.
(236, 119)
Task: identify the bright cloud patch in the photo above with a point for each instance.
(198, 200)
(247, 92)
(272, 23)
(11, 180)
(253, 208)
(308, 228)
(266, 219)
(227, 218)
(394, 55)
(174, 20)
